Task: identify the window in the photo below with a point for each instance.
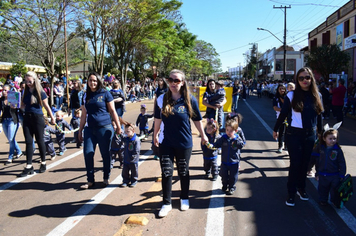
(346, 28)
(326, 38)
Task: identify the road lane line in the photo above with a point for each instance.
(21, 179)
(343, 213)
(74, 219)
(216, 214)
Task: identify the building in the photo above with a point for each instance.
(339, 28)
(80, 68)
(270, 63)
(6, 66)
(236, 72)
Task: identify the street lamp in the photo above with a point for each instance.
(284, 52)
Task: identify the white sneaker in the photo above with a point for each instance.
(164, 210)
(184, 204)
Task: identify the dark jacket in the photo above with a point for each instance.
(329, 161)
(230, 149)
(132, 149)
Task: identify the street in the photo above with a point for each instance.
(52, 204)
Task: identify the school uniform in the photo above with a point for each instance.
(210, 156)
(142, 123)
(75, 123)
(230, 159)
(132, 147)
(277, 102)
(175, 139)
(48, 130)
(61, 126)
(117, 149)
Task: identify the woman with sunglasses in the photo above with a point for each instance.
(173, 136)
(302, 108)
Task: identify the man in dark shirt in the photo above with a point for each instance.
(338, 100)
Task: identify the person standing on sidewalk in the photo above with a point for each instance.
(34, 98)
(302, 108)
(278, 101)
(337, 100)
(173, 136)
(235, 95)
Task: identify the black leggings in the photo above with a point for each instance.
(33, 125)
(167, 156)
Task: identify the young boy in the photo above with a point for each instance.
(230, 144)
(142, 121)
(61, 125)
(75, 122)
(132, 146)
(48, 130)
(117, 148)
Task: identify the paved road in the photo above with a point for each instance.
(51, 204)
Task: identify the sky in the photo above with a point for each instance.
(231, 25)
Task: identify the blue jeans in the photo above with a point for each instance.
(10, 130)
(235, 102)
(93, 136)
(58, 101)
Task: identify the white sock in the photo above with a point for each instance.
(28, 166)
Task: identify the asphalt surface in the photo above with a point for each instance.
(51, 204)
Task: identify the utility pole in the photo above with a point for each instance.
(65, 49)
(284, 38)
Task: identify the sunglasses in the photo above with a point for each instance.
(301, 78)
(176, 81)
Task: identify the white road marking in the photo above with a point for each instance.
(215, 217)
(343, 213)
(73, 220)
(19, 180)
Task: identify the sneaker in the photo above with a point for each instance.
(61, 153)
(87, 185)
(184, 204)
(231, 191)
(26, 172)
(215, 177)
(206, 176)
(303, 195)
(279, 150)
(42, 168)
(19, 155)
(9, 161)
(132, 185)
(123, 185)
(290, 201)
(53, 157)
(224, 188)
(165, 210)
(106, 182)
(121, 166)
(156, 157)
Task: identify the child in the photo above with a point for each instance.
(230, 144)
(61, 125)
(330, 164)
(117, 148)
(290, 86)
(75, 122)
(209, 155)
(48, 130)
(142, 121)
(238, 118)
(132, 146)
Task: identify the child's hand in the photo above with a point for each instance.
(317, 178)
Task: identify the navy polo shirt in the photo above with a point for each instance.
(97, 112)
(175, 129)
(35, 108)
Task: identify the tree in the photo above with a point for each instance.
(328, 59)
(17, 68)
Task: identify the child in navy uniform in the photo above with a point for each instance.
(75, 122)
(132, 146)
(142, 121)
(210, 155)
(48, 130)
(230, 144)
(61, 125)
(117, 149)
(330, 164)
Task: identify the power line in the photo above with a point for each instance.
(304, 4)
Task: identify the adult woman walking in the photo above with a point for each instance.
(34, 98)
(302, 108)
(278, 101)
(214, 101)
(173, 135)
(76, 97)
(119, 98)
(97, 107)
(10, 124)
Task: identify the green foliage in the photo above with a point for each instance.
(2, 80)
(328, 59)
(17, 68)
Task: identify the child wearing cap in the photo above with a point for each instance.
(142, 121)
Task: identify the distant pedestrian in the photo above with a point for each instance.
(142, 121)
(278, 101)
(338, 99)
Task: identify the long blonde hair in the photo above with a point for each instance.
(36, 95)
(168, 101)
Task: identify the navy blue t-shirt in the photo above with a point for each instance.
(97, 112)
(35, 108)
(175, 129)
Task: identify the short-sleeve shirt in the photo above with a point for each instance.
(35, 108)
(97, 112)
(176, 129)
